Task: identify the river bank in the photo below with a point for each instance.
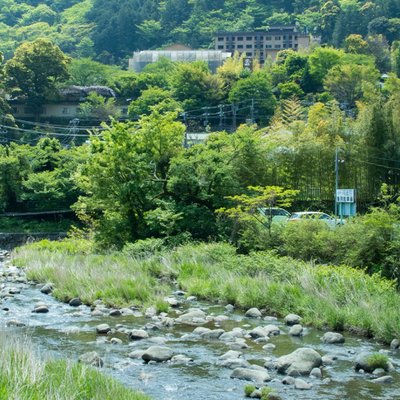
(339, 298)
(208, 348)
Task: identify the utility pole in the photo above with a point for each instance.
(185, 140)
(233, 117)
(221, 114)
(252, 111)
(336, 178)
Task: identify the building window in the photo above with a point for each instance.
(233, 38)
(249, 54)
(277, 46)
(268, 37)
(261, 37)
(249, 37)
(296, 45)
(295, 38)
(277, 38)
(240, 38)
(268, 46)
(220, 47)
(249, 46)
(284, 45)
(284, 37)
(220, 39)
(65, 110)
(290, 37)
(240, 46)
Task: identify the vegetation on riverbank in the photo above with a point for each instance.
(340, 297)
(24, 375)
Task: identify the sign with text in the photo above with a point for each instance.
(346, 195)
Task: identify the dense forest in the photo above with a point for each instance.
(109, 30)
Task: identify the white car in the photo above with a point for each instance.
(278, 214)
(316, 215)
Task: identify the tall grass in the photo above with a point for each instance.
(25, 376)
(337, 297)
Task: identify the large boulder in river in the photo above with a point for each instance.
(157, 353)
(253, 313)
(193, 317)
(300, 362)
(333, 338)
(138, 334)
(369, 362)
(249, 374)
(103, 329)
(292, 319)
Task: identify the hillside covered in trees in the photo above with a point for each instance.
(109, 30)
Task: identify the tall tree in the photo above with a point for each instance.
(35, 70)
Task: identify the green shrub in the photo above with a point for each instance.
(248, 390)
(143, 248)
(377, 360)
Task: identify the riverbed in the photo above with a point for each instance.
(69, 332)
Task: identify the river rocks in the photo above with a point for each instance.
(264, 331)
(316, 373)
(269, 347)
(150, 312)
(181, 359)
(115, 340)
(292, 319)
(15, 322)
(249, 374)
(229, 308)
(138, 334)
(136, 354)
(395, 344)
(233, 335)
(193, 317)
(115, 313)
(40, 308)
(253, 313)
(212, 334)
(76, 302)
(383, 379)
(378, 372)
(200, 330)
(47, 288)
(302, 385)
(328, 359)
(92, 359)
(103, 329)
(300, 362)
(288, 380)
(364, 362)
(296, 330)
(14, 290)
(233, 363)
(333, 338)
(172, 301)
(231, 354)
(157, 353)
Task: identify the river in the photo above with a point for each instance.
(68, 332)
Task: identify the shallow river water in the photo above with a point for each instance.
(69, 332)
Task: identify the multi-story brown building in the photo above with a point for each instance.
(262, 44)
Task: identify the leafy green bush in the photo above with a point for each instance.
(377, 360)
(248, 390)
(143, 248)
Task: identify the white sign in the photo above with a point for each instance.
(346, 195)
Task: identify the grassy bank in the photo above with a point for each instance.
(341, 298)
(23, 375)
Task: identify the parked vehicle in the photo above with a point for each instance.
(316, 215)
(278, 214)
